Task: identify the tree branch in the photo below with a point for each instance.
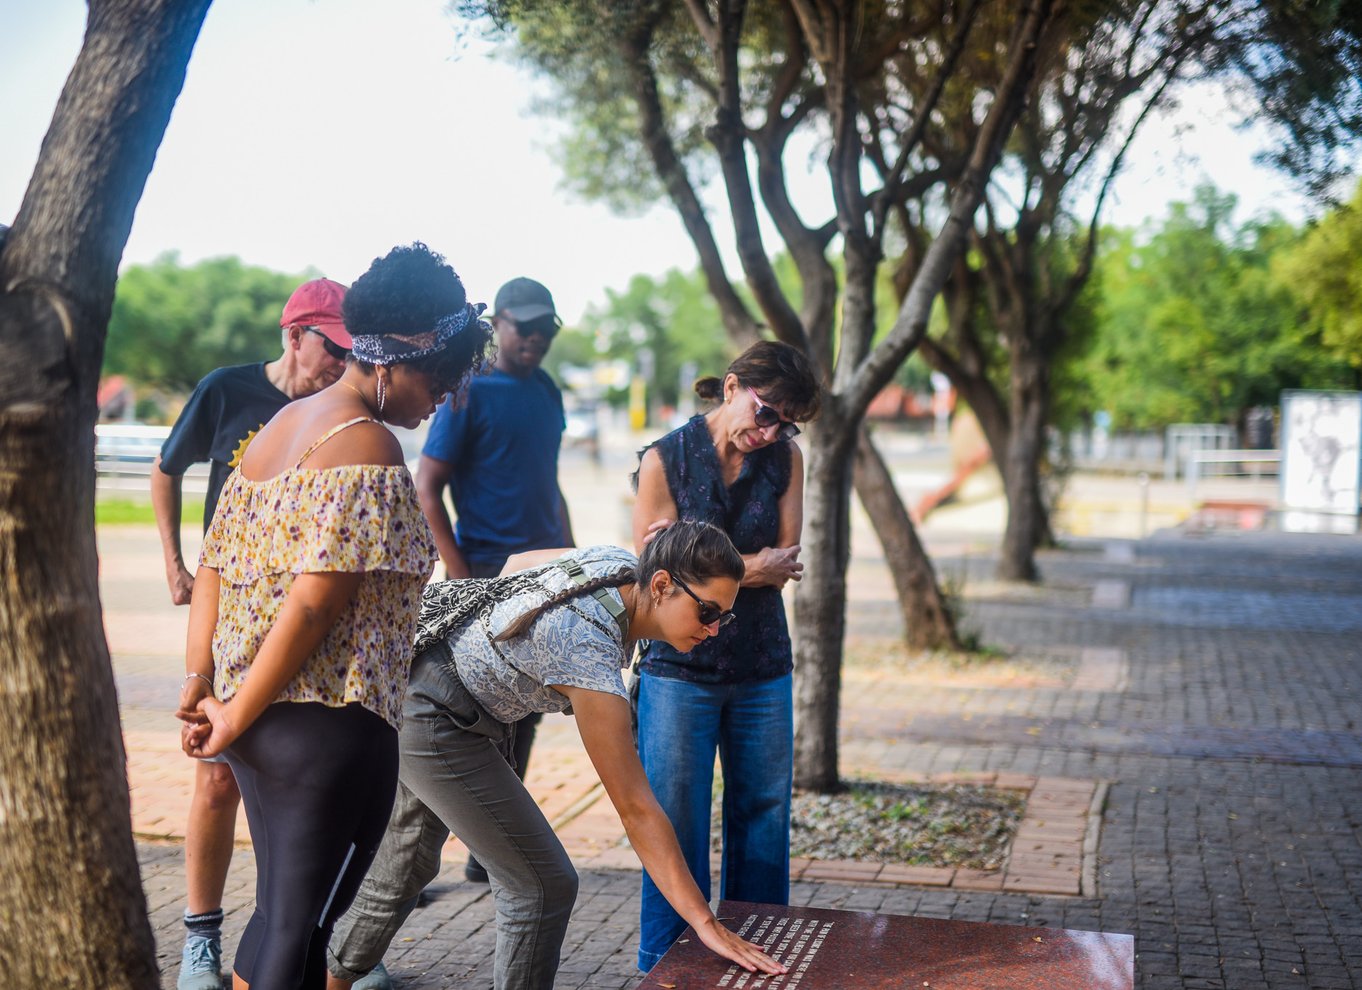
(699, 13)
(1083, 270)
(881, 201)
(875, 371)
(729, 137)
(738, 321)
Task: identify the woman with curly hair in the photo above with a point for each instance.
(304, 605)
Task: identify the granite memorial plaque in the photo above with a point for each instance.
(849, 950)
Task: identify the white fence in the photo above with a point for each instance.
(1250, 464)
(125, 453)
(1182, 440)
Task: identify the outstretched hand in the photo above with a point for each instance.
(748, 955)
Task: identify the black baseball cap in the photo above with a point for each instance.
(524, 299)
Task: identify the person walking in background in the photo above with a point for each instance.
(737, 468)
(498, 457)
(550, 636)
(304, 606)
(228, 408)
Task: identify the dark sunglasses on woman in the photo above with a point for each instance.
(709, 612)
(334, 349)
(766, 416)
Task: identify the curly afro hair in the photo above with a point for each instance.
(406, 292)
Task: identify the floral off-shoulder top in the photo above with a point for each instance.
(352, 518)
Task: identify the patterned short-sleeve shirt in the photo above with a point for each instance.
(576, 643)
(355, 518)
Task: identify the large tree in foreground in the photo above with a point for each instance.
(72, 912)
(669, 91)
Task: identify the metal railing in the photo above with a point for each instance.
(1251, 464)
(1182, 439)
(125, 453)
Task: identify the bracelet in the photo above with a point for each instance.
(206, 680)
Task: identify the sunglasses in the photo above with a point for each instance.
(545, 326)
(709, 612)
(765, 416)
(334, 349)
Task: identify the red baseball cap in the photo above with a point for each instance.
(318, 304)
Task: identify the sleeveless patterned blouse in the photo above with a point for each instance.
(755, 646)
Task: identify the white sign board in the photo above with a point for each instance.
(1322, 451)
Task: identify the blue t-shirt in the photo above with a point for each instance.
(755, 646)
(226, 411)
(503, 446)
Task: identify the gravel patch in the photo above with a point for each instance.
(950, 825)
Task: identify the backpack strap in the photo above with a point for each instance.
(616, 609)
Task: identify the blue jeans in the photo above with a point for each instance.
(454, 777)
(681, 725)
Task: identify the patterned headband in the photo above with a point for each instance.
(392, 348)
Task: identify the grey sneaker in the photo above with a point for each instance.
(376, 979)
(201, 964)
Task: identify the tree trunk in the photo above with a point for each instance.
(927, 620)
(1028, 524)
(820, 601)
(72, 912)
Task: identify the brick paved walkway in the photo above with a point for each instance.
(1202, 690)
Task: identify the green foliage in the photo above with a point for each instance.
(1192, 324)
(675, 318)
(573, 346)
(1324, 274)
(1071, 390)
(577, 45)
(172, 324)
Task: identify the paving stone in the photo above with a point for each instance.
(1229, 840)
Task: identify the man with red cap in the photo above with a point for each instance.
(225, 412)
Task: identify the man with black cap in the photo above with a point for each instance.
(498, 456)
(225, 412)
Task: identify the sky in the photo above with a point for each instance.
(320, 133)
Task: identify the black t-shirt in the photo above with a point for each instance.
(226, 411)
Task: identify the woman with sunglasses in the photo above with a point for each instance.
(552, 634)
(734, 467)
(306, 598)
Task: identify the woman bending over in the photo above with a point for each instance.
(552, 638)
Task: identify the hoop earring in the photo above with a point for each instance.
(382, 393)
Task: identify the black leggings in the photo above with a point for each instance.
(318, 786)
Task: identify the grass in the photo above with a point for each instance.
(138, 511)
